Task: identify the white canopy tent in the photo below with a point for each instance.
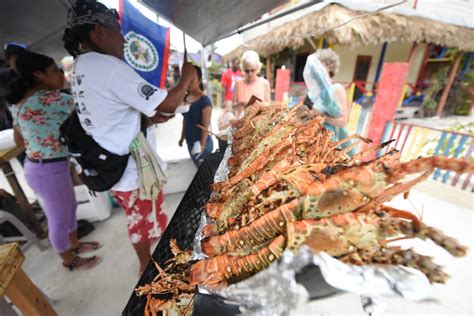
(40, 24)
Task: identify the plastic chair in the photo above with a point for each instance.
(6, 309)
(26, 240)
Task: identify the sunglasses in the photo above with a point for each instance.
(14, 44)
(249, 70)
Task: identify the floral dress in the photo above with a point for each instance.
(38, 118)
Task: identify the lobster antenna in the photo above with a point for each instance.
(420, 215)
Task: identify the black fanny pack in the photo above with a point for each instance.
(101, 169)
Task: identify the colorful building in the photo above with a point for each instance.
(425, 33)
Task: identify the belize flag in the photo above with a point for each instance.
(147, 46)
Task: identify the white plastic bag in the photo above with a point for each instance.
(7, 140)
(196, 150)
(319, 87)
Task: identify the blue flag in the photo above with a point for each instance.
(147, 47)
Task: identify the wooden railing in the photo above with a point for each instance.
(414, 141)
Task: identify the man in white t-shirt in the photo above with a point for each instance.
(110, 98)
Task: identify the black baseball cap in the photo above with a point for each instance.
(12, 48)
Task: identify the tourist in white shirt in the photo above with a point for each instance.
(110, 98)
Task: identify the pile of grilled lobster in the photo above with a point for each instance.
(289, 185)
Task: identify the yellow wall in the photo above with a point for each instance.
(348, 57)
(396, 52)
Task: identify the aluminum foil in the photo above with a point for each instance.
(275, 291)
(197, 251)
(222, 172)
(373, 280)
(221, 175)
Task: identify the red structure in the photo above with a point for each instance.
(389, 94)
(282, 84)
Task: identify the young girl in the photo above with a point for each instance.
(199, 114)
(38, 112)
(223, 124)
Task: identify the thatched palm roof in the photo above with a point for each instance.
(374, 29)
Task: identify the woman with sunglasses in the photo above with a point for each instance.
(251, 84)
(38, 111)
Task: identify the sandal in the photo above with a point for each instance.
(83, 263)
(86, 246)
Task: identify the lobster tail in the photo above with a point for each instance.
(210, 230)
(260, 230)
(214, 210)
(210, 272)
(215, 272)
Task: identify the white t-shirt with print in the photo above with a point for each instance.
(109, 97)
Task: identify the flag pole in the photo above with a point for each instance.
(181, 62)
(184, 41)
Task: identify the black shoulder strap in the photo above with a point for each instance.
(144, 123)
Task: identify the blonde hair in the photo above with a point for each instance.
(251, 57)
(329, 58)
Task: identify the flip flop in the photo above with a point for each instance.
(83, 263)
(86, 246)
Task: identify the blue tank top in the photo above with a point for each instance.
(192, 133)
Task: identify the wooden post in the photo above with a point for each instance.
(447, 87)
(269, 71)
(351, 94)
(467, 65)
(311, 42)
(380, 63)
(320, 42)
(411, 54)
(424, 64)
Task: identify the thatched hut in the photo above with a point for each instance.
(363, 44)
(373, 29)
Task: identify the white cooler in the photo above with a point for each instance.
(98, 206)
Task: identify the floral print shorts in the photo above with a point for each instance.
(143, 225)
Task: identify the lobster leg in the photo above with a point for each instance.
(398, 256)
(428, 164)
(345, 140)
(372, 149)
